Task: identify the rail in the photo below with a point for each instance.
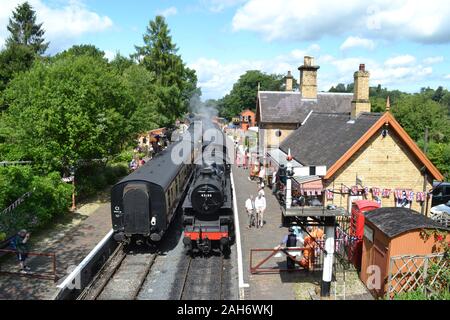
(46, 275)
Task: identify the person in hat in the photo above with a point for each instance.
(290, 241)
(20, 245)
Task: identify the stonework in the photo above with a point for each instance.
(385, 163)
(361, 102)
(268, 134)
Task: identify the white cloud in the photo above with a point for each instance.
(216, 79)
(110, 55)
(433, 60)
(354, 42)
(171, 11)
(414, 20)
(447, 76)
(402, 60)
(69, 20)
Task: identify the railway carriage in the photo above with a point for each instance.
(144, 203)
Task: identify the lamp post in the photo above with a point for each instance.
(72, 173)
(290, 174)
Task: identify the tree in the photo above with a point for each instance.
(244, 93)
(140, 85)
(82, 50)
(121, 63)
(175, 84)
(14, 60)
(25, 31)
(62, 112)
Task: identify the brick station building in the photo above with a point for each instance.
(360, 154)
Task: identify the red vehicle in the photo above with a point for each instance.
(359, 208)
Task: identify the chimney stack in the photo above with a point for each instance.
(361, 101)
(308, 78)
(289, 82)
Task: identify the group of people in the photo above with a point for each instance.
(256, 207)
(135, 164)
(299, 239)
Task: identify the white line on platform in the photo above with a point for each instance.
(238, 238)
(85, 261)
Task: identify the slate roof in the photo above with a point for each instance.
(290, 107)
(395, 221)
(325, 137)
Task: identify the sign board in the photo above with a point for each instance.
(368, 233)
(68, 179)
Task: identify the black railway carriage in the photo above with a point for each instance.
(144, 204)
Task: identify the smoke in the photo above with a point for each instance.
(208, 109)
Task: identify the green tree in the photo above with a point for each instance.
(121, 63)
(82, 50)
(14, 60)
(244, 93)
(25, 31)
(140, 85)
(59, 113)
(175, 84)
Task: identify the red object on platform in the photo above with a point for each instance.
(357, 229)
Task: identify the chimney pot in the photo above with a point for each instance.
(362, 67)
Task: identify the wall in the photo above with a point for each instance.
(383, 163)
(267, 134)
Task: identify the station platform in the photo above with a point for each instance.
(277, 286)
(71, 241)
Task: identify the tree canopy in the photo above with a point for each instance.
(62, 112)
(25, 31)
(174, 84)
(243, 95)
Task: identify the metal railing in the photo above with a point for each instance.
(52, 275)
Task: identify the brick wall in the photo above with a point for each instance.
(383, 163)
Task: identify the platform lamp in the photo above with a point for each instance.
(72, 174)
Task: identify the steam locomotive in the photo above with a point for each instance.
(208, 208)
(144, 203)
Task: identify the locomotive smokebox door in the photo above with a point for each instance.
(207, 196)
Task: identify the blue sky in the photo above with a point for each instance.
(404, 43)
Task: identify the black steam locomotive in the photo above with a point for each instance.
(208, 208)
(144, 204)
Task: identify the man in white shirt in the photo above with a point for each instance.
(262, 174)
(250, 207)
(260, 205)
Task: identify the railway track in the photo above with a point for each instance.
(204, 279)
(122, 276)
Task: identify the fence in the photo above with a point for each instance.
(52, 275)
(411, 272)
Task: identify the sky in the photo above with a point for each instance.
(405, 44)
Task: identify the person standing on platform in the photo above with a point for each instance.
(20, 245)
(290, 241)
(260, 205)
(262, 174)
(251, 211)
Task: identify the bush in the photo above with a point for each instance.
(97, 177)
(50, 197)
